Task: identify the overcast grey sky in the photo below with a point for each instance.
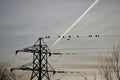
(22, 22)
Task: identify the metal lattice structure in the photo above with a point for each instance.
(41, 69)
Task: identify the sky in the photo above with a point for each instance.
(22, 22)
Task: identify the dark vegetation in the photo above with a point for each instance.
(109, 68)
(110, 65)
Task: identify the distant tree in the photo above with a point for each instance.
(110, 65)
(5, 73)
(84, 76)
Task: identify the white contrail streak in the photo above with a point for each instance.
(77, 20)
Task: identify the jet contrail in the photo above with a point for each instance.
(77, 20)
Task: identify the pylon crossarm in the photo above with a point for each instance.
(27, 69)
(33, 49)
(30, 49)
(30, 69)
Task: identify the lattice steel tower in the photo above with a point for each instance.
(41, 69)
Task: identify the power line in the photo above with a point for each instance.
(55, 60)
(83, 49)
(24, 58)
(12, 60)
(72, 66)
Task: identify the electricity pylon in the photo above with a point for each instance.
(41, 69)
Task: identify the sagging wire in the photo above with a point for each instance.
(12, 60)
(55, 60)
(24, 58)
(62, 76)
(81, 49)
(52, 70)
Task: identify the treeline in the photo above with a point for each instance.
(109, 67)
(5, 73)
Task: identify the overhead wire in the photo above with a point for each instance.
(81, 49)
(12, 60)
(55, 60)
(110, 36)
(61, 76)
(22, 58)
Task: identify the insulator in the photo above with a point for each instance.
(73, 53)
(61, 72)
(50, 54)
(67, 53)
(11, 70)
(16, 52)
(54, 72)
(57, 53)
